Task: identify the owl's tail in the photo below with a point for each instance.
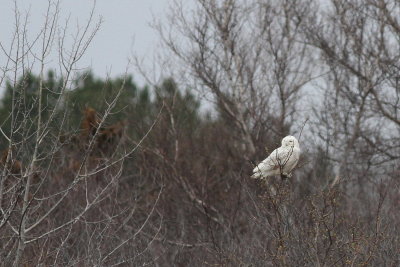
(256, 174)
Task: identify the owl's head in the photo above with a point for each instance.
(290, 141)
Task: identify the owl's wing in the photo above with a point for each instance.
(273, 163)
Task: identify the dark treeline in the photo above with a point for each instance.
(101, 172)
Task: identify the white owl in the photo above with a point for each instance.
(281, 161)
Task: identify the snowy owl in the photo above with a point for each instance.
(281, 161)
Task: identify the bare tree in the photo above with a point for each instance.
(170, 185)
(256, 59)
(52, 182)
(248, 56)
(359, 46)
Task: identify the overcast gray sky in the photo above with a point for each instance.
(125, 28)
